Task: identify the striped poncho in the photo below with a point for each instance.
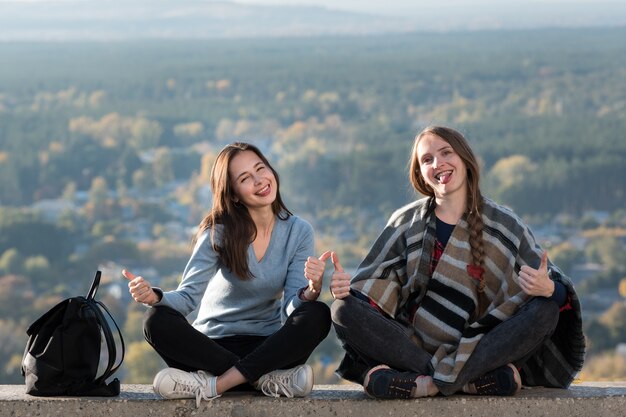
(448, 323)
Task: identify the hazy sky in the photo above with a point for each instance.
(399, 7)
(386, 6)
(387, 15)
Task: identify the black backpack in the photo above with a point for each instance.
(72, 351)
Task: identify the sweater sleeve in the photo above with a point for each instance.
(530, 253)
(200, 268)
(295, 279)
(559, 295)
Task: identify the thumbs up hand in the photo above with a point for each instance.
(314, 272)
(536, 282)
(340, 282)
(140, 289)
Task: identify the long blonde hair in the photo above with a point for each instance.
(474, 197)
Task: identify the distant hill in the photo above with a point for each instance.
(60, 20)
(137, 19)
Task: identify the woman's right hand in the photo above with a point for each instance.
(140, 289)
(340, 282)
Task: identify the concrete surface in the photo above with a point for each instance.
(588, 400)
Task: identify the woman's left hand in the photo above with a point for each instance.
(314, 272)
(536, 282)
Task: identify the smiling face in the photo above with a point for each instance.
(252, 181)
(441, 167)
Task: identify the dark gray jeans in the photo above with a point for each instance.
(372, 339)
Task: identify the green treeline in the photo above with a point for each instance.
(106, 149)
(555, 97)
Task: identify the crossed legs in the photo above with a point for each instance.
(371, 339)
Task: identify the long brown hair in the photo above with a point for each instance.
(239, 229)
(474, 197)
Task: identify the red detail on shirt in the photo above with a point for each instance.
(567, 305)
(434, 259)
(475, 271)
(373, 304)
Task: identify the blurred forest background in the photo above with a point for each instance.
(106, 148)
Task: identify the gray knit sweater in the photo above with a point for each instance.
(231, 306)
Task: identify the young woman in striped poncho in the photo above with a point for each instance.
(455, 294)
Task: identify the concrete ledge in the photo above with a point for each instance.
(588, 399)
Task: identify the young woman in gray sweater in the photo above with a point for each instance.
(256, 283)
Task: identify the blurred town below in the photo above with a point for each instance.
(106, 149)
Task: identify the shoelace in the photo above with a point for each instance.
(205, 389)
(275, 384)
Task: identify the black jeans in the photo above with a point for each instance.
(372, 339)
(182, 346)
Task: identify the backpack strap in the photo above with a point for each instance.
(98, 307)
(94, 286)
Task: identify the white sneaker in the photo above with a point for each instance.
(172, 384)
(294, 382)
